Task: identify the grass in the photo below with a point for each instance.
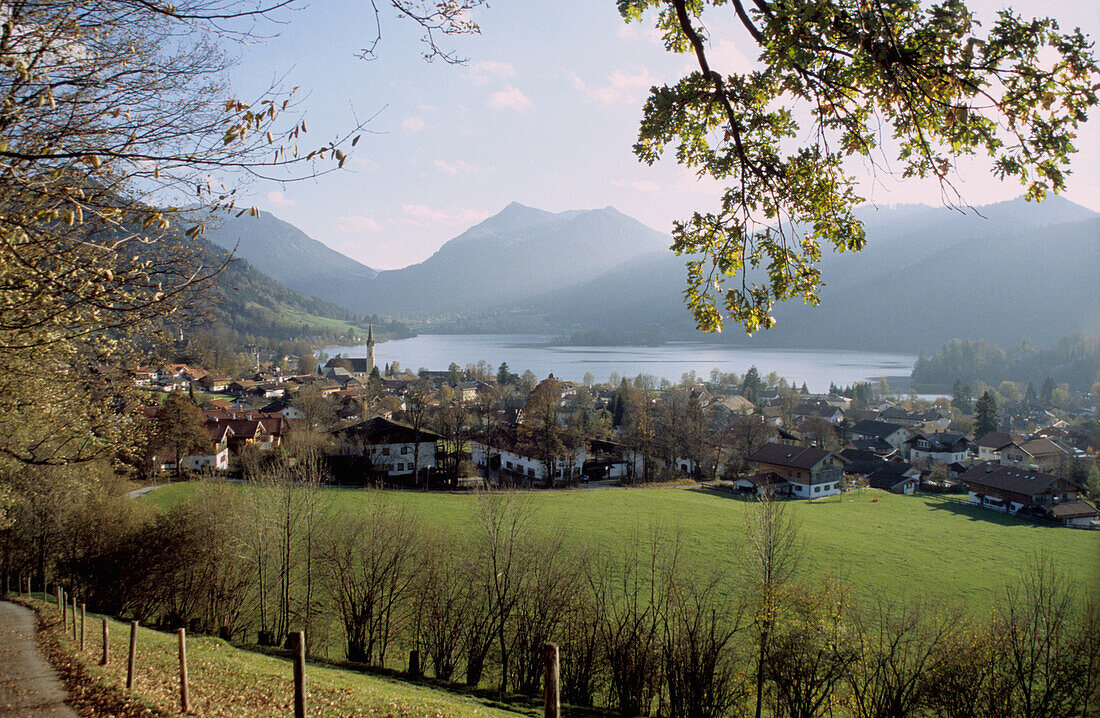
(229, 681)
(334, 325)
(897, 546)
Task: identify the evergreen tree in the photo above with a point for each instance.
(505, 377)
(961, 398)
(986, 418)
(1030, 397)
(1048, 391)
(752, 385)
(804, 390)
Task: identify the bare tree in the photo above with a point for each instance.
(371, 565)
(773, 549)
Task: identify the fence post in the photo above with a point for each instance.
(82, 626)
(64, 606)
(133, 655)
(552, 699)
(106, 657)
(74, 617)
(185, 703)
(299, 646)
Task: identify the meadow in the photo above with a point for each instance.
(881, 544)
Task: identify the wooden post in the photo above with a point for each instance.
(299, 646)
(133, 656)
(414, 663)
(551, 697)
(82, 626)
(185, 703)
(74, 616)
(64, 606)
(106, 657)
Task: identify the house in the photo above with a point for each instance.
(894, 435)
(505, 452)
(216, 454)
(941, 448)
(1075, 513)
(1043, 454)
(818, 409)
(898, 478)
(991, 444)
(214, 383)
(813, 473)
(1014, 490)
(767, 482)
(897, 415)
(731, 406)
(466, 391)
(264, 433)
(611, 460)
(396, 449)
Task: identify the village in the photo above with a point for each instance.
(473, 428)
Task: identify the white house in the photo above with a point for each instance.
(812, 473)
(390, 447)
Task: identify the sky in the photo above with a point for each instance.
(544, 113)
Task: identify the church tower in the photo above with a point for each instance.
(370, 348)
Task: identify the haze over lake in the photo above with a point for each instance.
(816, 367)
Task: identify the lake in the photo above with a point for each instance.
(816, 367)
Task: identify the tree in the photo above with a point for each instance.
(961, 398)
(986, 418)
(929, 78)
(178, 428)
(752, 385)
(772, 554)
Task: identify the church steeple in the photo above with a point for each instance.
(370, 347)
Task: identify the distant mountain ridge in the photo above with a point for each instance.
(1002, 272)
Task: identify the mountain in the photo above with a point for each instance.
(507, 259)
(287, 254)
(927, 275)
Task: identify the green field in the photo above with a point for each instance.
(895, 547)
(335, 325)
(228, 681)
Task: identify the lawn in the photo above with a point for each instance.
(228, 681)
(897, 546)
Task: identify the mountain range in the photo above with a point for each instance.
(1002, 272)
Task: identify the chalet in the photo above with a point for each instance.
(991, 444)
(397, 449)
(941, 448)
(264, 433)
(898, 478)
(818, 410)
(466, 391)
(861, 462)
(1013, 490)
(894, 435)
(813, 473)
(897, 415)
(1043, 454)
(506, 452)
(215, 455)
(767, 482)
(214, 383)
(1075, 513)
(730, 406)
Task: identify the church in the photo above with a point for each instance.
(357, 367)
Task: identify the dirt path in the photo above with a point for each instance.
(29, 686)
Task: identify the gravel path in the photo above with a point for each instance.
(28, 685)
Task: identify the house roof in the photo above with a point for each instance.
(1044, 447)
(766, 478)
(1073, 510)
(383, 431)
(942, 441)
(994, 440)
(862, 462)
(1009, 478)
(795, 457)
(888, 477)
(877, 429)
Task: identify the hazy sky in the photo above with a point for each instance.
(544, 113)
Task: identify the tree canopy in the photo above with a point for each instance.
(837, 82)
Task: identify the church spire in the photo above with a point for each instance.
(370, 335)
(370, 347)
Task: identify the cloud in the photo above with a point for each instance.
(483, 72)
(510, 98)
(456, 168)
(621, 88)
(357, 224)
(421, 216)
(280, 199)
(413, 124)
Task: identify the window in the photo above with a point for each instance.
(400, 467)
(817, 489)
(530, 471)
(404, 449)
(385, 451)
(509, 465)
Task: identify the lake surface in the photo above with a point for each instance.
(816, 367)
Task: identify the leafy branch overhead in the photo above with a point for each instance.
(839, 82)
